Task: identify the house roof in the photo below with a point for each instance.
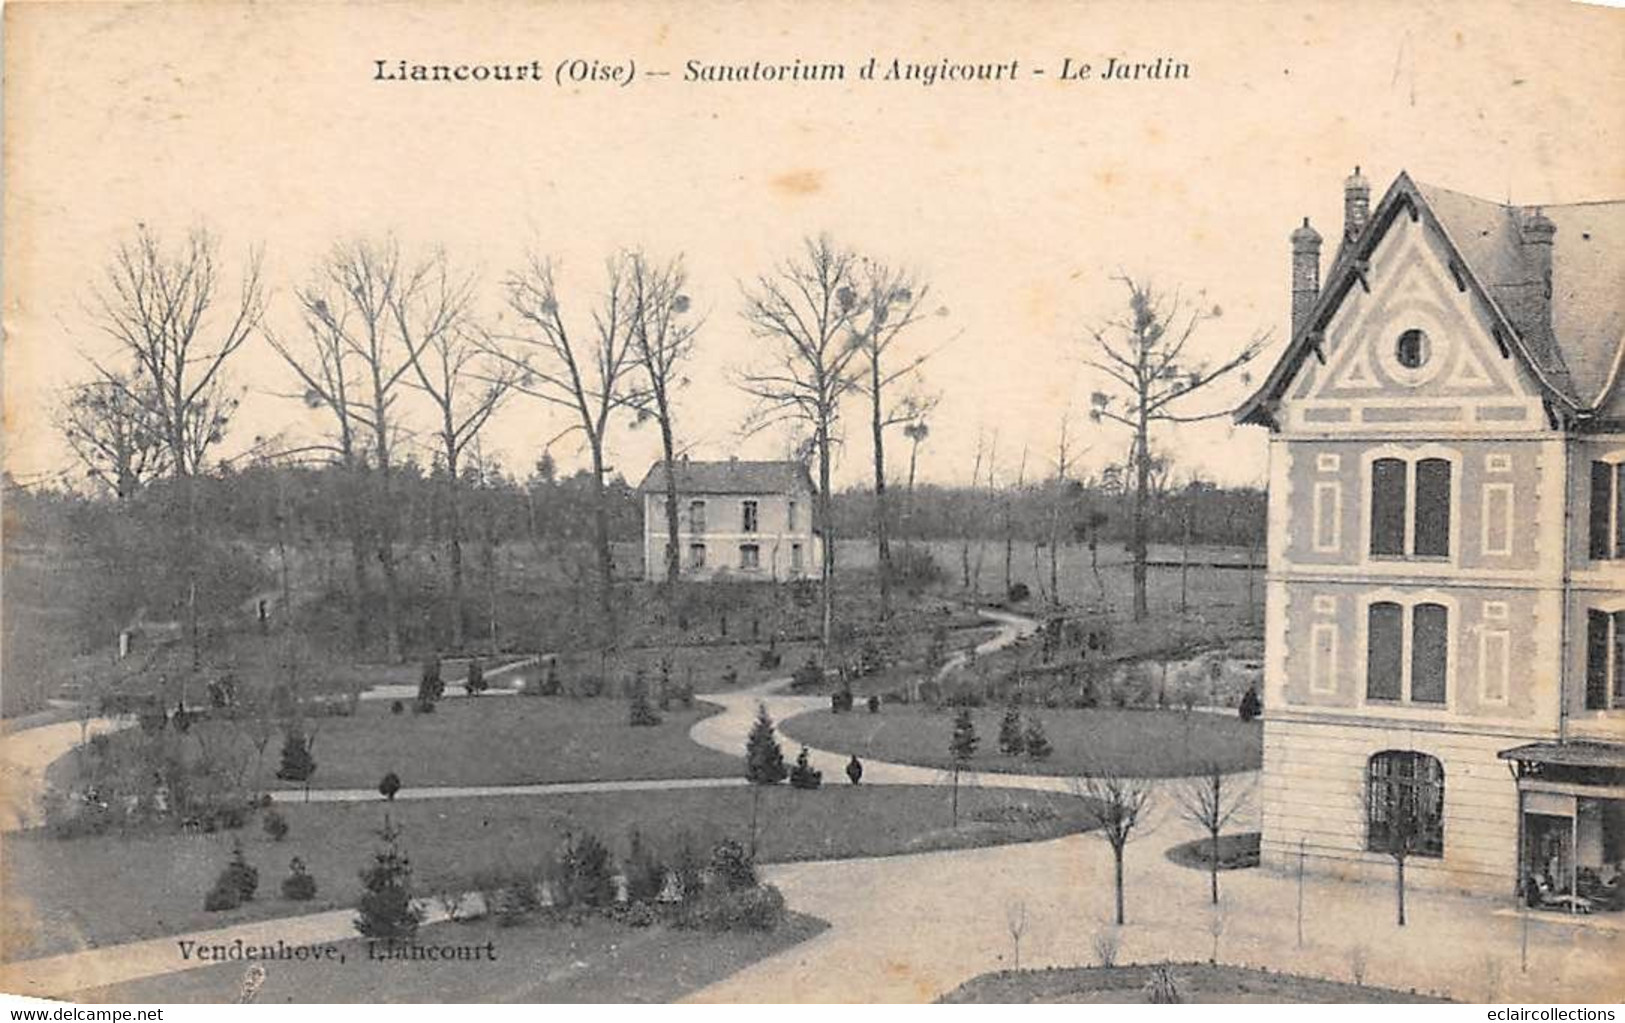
(730, 477)
(1577, 360)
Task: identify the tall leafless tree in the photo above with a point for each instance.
(466, 385)
(891, 301)
(662, 338)
(588, 376)
(1147, 357)
(1116, 805)
(1211, 801)
(916, 432)
(381, 310)
(806, 310)
(165, 311)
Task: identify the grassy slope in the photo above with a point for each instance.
(64, 894)
(1197, 982)
(596, 962)
(1140, 743)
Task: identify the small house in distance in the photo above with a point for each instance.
(736, 520)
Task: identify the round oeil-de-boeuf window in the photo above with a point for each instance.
(1412, 349)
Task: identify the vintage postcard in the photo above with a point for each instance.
(785, 502)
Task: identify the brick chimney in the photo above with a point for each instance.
(1356, 205)
(1305, 273)
(1537, 232)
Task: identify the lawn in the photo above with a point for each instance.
(598, 961)
(1236, 852)
(1137, 743)
(65, 894)
(1202, 983)
(494, 740)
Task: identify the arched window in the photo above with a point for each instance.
(1405, 804)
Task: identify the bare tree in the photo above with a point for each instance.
(1015, 921)
(1402, 805)
(165, 311)
(916, 432)
(1008, 501)
(1059, 501)
(588, 377)
(806, 310)
(1209, 803)
(1147, 358)
(891, 301)
(662, 338)
(1115, 806)
(380, 310)
(466, 385)
(968, 515)
(111, 432)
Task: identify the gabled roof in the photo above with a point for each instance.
(730, 477)
(1577, 360)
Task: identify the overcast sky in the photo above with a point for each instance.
(1017, 202)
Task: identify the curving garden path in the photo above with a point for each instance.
(909, 928)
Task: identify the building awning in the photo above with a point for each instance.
(1569, 754)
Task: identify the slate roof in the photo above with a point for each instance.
(730, 477)
(1578, 360)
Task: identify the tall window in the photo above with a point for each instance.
(696, 516)
(1605, 659)
(748, 509)
(696, 555)
(1405, 804)
(790, 517)
(1410, 508)
(750, 557)
(1607, 510)
(795, 558)
(1407, 652)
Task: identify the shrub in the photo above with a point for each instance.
(430, 686)
(804, 775)
(516, 900)
(731, 866)
(275, 825)
(665, 683)
(1106, 944)
(235, 885)
(1012, 737)
(757, 908)
(298, 886)
(914, 569)
(730, 677)
(389, 785)
(587, 877)
(769, 659)
(808, 675)
(840, 701)
(298, 763)
(854, 770)
(764, 760)
(639, 914)
(386, 909)
(874, 704)
(645, 873)
(1018, 593)
(397, 707)
(640, 714)
(962, 746)
(474, 681)
(1037, 743)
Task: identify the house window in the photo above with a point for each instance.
(1607, 510)
(696, 518)
(1407, 652)
(1410, 508)
(790, 517)
(795, 556)
(1412, 349)
(750, 557)
(1405, 804)
(1323, 658)
(748, 525)
(1605, 659)
(1328, 512)
(696, 555)
(1497, 518)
